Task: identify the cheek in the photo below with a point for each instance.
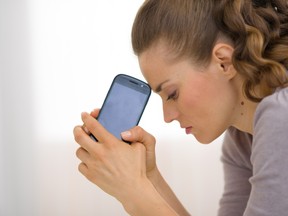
(202, 104)
(189, 101)
(208, 106)
(195, 97)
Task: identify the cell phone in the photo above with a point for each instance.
(124, 104)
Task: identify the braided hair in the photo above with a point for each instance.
(259, 32)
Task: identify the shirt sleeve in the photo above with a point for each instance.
(269, 158)
(237, 171)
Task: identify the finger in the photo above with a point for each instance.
(84, 140)
(82, 154)
(96, 128)
(140, 148)
(86, 129)
(82, 167)
(95, 113)
(138, 134)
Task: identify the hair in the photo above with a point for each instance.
(258, 30)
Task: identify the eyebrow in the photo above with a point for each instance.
(159, 87)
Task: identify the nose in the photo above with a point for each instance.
(170, 113)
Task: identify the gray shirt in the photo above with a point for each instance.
(256, 167)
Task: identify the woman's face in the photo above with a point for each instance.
(202, 100)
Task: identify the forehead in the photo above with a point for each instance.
(159, 66)
(155, 64)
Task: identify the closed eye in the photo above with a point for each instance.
(172, 96)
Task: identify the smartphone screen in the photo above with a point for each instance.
(124, 104)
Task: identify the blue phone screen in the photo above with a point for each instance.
(122, 109)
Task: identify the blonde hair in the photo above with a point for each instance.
(258, 30)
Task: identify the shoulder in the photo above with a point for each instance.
(271, 120)
(269, 156)
(256, 167)
(270, 137)
(272, 110)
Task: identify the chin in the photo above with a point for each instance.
(204, 142)
(205, 139)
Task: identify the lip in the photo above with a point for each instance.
(188, 130)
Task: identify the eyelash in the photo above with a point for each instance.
(172, 96)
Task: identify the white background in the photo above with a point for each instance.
(57, 59)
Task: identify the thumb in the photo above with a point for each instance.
(140, 151)
(138, 134)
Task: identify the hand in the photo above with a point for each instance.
(113, 165)
(139, 135)
(120, 169)
(136, 135)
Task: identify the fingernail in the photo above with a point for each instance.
(126, 134)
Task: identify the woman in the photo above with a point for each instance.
(217, 65)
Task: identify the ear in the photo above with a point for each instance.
(222, 54)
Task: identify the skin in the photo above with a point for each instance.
(120, 169)
(204, 100)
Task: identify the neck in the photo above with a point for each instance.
(244, 115)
